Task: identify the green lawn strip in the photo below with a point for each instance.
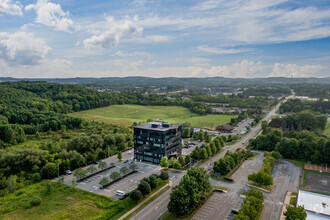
(294, 193)
(253, 156)
(222, 178)
(148, 202)
(129, 204)
(221, 188)
(297, 163)
(267, 188)
(327, 130)
(292, 200)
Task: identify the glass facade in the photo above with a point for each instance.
(151, 143)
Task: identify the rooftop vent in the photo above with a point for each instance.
(166, 125)
(154, 125)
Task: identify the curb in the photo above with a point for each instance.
(257, 187)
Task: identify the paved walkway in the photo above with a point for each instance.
(286, 203)
(144, 201)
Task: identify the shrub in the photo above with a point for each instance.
(177, 165)
(135, 195)
(152, 181)
(276, 155)
(144, 188)
(36, 200)
(163, 175)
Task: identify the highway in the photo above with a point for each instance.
(159, 206)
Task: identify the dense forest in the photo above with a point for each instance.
(304, 120)
(239, 100)
(312, 90)
(304, 145)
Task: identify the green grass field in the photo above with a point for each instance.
(60, 202)
(125, 115)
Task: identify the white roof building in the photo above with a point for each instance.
(316, 205)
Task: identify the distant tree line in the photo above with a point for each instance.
(296, 105)
(267, 92)
(305, 120)
(312, 90)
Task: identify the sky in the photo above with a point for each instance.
(164, 38)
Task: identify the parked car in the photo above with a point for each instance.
(120, 193)
(68, 172)
(125, 161)
(234, 211)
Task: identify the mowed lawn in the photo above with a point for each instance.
(125, 115)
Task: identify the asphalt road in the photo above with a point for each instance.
(159, 206)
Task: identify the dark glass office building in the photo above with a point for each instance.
(157, 139)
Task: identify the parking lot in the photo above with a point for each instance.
(189, 150)
(318, 182)
(126, 184)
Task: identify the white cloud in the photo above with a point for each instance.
(151, 39)
(52, 15)
(206, 5)
(179, 23)
(125, 54)
(286, 70)
(10, 7)
(22, 48)
(240, 22)
(113, 31)
(222, 50)
(47, 68)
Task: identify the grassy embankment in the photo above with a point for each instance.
(125, 115)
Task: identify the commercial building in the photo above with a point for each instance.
(157, 139)
(226, 128)
(317, 206)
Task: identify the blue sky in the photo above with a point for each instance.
(237, 38)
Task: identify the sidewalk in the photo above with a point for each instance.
(145, 200)
(286, 203)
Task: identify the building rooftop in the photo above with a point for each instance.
(158, 126)
(314, 202)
